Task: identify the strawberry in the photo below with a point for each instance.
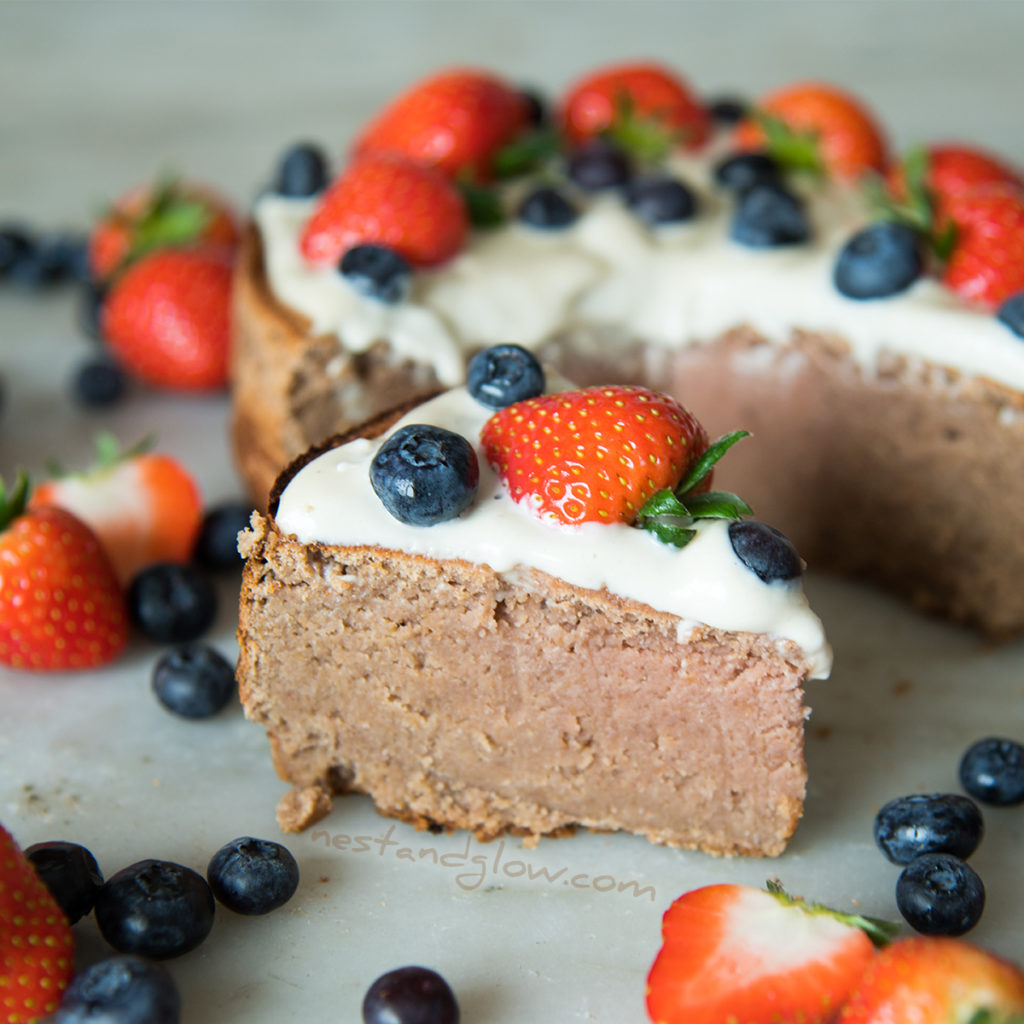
(144, 507)
(813, 125)
(387, 200)
(931, 980)
(36, 945)
(60, 603)
(455, 120)
(735, 953)
(167, 319)
(593, 455)
(644, 106)
(169, 213)
(986, 262)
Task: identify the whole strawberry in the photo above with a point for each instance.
(167, 319)
(60, 603)
(593, 455)
(36, 945)
(144, 506)
(936, 981)
(455, 121)
(387, 200)
(814, 125)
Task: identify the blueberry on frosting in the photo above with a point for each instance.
(546, 207)
(769, 215)
(881, 260)
(765, 551)
(504, 374)
(660, 199)
(377, 272)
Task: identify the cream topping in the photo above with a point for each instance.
(331, 501)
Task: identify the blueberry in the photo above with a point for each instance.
(155, 908)
(71, 874)
(939, 894)
(504, 374)
(217, 545)
(768, 215)
(992, 771)
(301, 171)
(410, 995)
(937, 823)
(253, 876)
(660, 200)
(546, 207)
(881, 260)
(377, 271)
(1011, 313)
(16, 244)
(598, 165)
(172, 604)
(727, 109)
(121, 990)
(765, 551)
(52, 259)
(536, 107)
(194, 681)
(744, 170)
(424, 474)
(89, 312)
(99, 383)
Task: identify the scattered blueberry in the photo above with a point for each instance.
(727, 109)
(410, 995)
(935, 823)
(16, 244)
(155, 908)
(52, 259)
(881, 260)
(660, 200)
(194, 681)
(90, 308)
(504, 374)
(302, 171)
(768, 215)
(1011, 313)
(172, 604)
(99, 383)
(546, 207)
(744, 170)
(425, 474)
(217, 545)
(939, 894)
(766, 552)
(377, 271)
(121, 990)
(253, 876)
(598, 165)
(992, 771)
(71, 874)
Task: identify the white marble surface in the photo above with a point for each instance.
(98, 96)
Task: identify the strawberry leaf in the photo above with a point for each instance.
(793, 150)
(529, 153)
(717, 505)
(13, 504)
(704, 465)
(483, 205)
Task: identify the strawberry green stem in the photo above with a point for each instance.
(13, 504)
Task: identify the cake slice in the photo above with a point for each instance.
(500, 670)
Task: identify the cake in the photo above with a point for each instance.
(502, 670)
(888, 415)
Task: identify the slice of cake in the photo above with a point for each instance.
(483, 642)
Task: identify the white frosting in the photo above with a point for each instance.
(331, 501)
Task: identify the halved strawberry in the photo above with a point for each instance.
(145, 507)
(735, 953)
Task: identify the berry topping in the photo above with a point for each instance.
(425, 475)
(593, 455)
(194, 681)
(744, 170)
(992, 771)
(410, 995)
(769, 215)
(659, 199)
(253, 876)
(383, 199)
(71, 874)
(547, 207)
(155, 909)
(121, 990)
(302, 171)
(217, 544)
(99, 383)
(936, 823)
(172, 604)
(881, 260)
(766, 552)
(377, 271)
(599, 164)
(939, 894)
(503, 374)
